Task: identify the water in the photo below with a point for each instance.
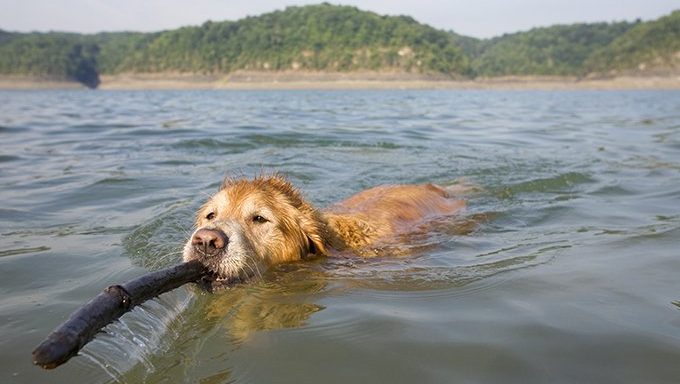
(563, 269)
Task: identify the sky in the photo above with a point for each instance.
(478, 18)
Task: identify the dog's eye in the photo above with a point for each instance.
(259, 219)
(210, 216)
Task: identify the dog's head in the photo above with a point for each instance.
(249, 225)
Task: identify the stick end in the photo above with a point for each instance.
(50, 354)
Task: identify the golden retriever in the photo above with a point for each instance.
(251, 224)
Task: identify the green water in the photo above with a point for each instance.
(570, 275)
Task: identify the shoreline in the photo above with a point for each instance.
(342, 81)
(31, 82)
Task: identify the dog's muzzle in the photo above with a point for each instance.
(209, 242)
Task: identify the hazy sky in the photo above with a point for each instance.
(479, 18)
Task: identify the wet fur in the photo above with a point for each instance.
(268, 222)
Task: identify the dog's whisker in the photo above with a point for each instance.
(168, 256)
(257, 269)
(255, 272)
(162, 259)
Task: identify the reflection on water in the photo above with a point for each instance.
(563, 268)
(243, 311)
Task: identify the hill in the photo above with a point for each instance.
(317, 37)
(559, 50)
(341, 39)
(50, 56)
(652, 46)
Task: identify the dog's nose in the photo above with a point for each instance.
(209, 241)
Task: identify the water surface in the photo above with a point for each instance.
(563, 269)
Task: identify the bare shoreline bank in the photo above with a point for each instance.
(28, 82)
(293, 81)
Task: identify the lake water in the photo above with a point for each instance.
(570, 275)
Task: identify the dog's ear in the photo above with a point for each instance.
(309, 219)
(314, 231)
(316, 247)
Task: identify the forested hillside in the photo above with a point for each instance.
(654, 45)
(51, 56)
(318, 37)
(330, 38)
(558, 50)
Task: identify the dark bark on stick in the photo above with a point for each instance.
(65, 341)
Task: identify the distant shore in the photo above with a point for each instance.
(31, 82)
(364, 80)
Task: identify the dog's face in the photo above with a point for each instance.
(251, 224)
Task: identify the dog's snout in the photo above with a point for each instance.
(209, 241)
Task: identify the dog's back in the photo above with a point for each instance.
(380, 213)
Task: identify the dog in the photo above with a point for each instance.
(250, 225)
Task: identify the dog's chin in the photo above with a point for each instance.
(212, 282)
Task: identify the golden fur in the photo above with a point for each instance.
(266, 221)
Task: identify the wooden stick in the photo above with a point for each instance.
(65, 341)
